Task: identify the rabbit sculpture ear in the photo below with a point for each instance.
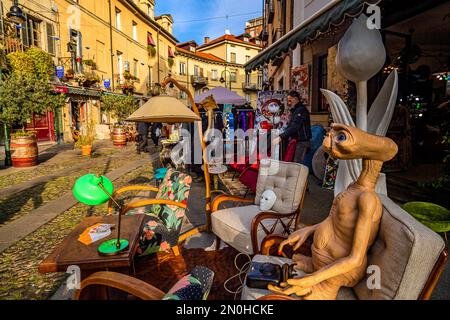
(268, 199)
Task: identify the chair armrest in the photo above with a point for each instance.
(133, 286)
(218, 200)
(129, 188)
(258, 219)
(142, 203)
(270, 244)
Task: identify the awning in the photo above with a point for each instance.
(334, 15)
(84, 92)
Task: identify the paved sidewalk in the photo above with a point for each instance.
(20, 228)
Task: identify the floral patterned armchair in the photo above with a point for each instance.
(165, 213)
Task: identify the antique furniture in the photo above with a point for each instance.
(93, 190)
(244, 227)
(164, 214)
(249, 176)
(167, 109)
(409, 256)
(72, 252)
(194, 286)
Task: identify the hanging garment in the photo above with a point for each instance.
(251, 123)
(242, 121)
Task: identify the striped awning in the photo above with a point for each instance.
(309, 30)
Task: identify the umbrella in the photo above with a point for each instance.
(164, 109)
(222, 96)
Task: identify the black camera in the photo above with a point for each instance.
(261, 275)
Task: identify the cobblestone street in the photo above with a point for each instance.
(24, 191)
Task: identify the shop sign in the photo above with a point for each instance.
(107, 83)
(300, 82)
(59, 71)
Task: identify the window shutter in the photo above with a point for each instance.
(50, 38)
(150, 40)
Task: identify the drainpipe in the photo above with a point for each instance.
(111, 46)
(157, 48)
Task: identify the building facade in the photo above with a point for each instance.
(219, 62)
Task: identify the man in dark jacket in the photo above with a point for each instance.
(299, 127)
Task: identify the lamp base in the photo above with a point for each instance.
(109, 247)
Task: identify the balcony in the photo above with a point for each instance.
(249, 86)
(199, 81)
(11, 44)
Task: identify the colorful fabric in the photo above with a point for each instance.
(163, 224)
(194, 286)
(330, 173)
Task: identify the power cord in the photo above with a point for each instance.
(241, 271)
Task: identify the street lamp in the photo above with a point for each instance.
(222, 79)
(15, 14)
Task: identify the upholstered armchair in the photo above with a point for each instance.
(193, 286)
(410, 257)
(244, 227)
(165, 213)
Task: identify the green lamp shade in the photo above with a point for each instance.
(87, 189)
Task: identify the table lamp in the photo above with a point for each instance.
(93, 190)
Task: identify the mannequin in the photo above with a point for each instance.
(268, 199)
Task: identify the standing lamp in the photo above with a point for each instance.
(93, 190)
(168, 109)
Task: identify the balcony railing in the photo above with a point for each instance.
(11, 44)
(199, 81)
(249, 86)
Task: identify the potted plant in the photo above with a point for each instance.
(170, 61)
(69, 74)
(151, 50)
(90, 63)
(24, 148)
(86, 139)
(120, 107)
(37, 97)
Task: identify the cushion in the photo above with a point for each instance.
(193, 286)
(154, 237)
(253, 294)
(405, 251)
(232, 225)
(286, 179)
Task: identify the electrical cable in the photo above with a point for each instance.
(242, 271)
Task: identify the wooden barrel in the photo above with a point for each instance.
(119, 136)
(24, 151)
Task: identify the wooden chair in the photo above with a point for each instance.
(194, 286)
(244, 227)
(165, 212)
(410, 256)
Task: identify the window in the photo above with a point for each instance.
(233, 57)
(134, 31)
(233, 76)
(247, 78)
(120, 65)
(213, 74)
(31, 32)
(322, 77)
(183, 95)
(118, 22)
(76, 49)
(182, 68)
(50, 38)
(247, 97)
(247, 58)
(136, 68)
(150, 40)
(260, 79)
(196, 71)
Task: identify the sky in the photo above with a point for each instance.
(209, 15)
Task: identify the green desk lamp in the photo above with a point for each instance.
(93, 191)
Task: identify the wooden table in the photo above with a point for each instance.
(73, 252)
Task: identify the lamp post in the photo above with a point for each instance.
(223, 80)
(15, 15)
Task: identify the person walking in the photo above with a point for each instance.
(299, 127)
(156, 132)
(142, 129)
